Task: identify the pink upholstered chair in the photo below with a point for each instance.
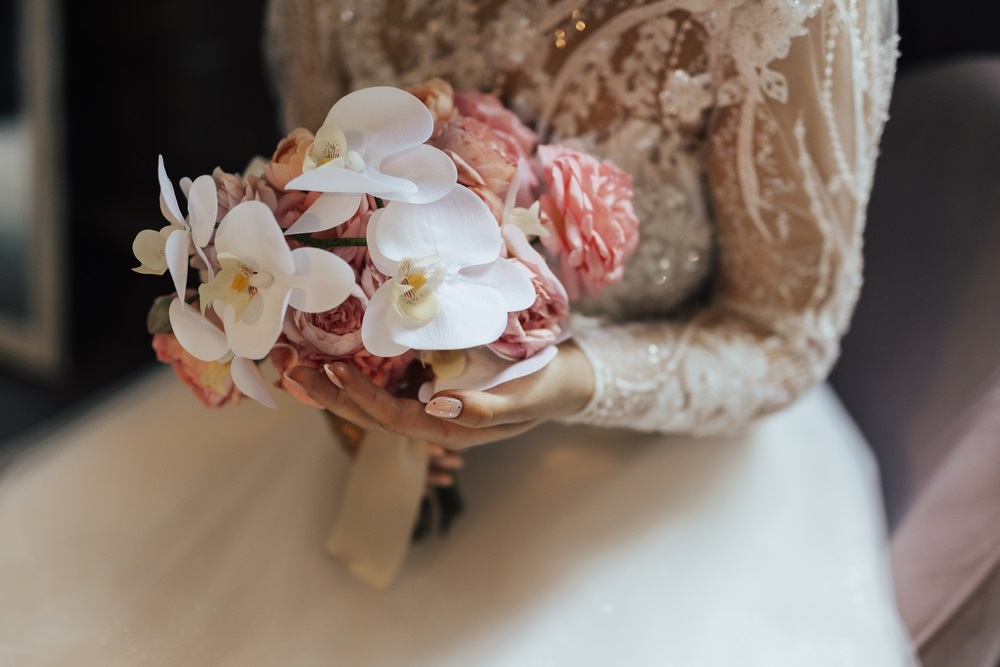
(920, 369)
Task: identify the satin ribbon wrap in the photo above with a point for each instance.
(374, 525)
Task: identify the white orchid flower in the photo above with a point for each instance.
(261, 277)
(158, 251)
(528, 220)
(480, 369)
(449, 289)
(205, 341)
(372, 142)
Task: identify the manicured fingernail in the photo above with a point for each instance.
(293, 383)
(303, 396)
(333, 377)
(445, 407)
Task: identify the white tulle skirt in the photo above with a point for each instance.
(151, 531)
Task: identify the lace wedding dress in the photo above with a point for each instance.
(699, 536)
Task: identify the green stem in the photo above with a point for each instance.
(347, 241)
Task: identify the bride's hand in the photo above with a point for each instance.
(459, 418)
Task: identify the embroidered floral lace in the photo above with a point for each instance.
(750, 127)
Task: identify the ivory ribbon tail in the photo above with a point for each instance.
(374, 524)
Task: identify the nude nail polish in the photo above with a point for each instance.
(333, 376)
(293, 383)
(444, 407)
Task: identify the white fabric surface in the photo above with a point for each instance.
(152, 532)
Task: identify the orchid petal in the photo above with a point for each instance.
(331, 178)
(254, 334)
(380, 121)
(203, 208)
(468, 315)
(248, 379)
(430, 169)
(149, 247)
(375, 325)
(517, 243)
(202, 339)
(321, 281)
(177, 259)
(458, 228)
(513, 284)
(249, 230)
(168, 194)
(327, 212)
(486, 370)
(382, 263)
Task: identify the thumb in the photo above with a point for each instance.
(476, 409)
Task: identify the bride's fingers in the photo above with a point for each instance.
(445, 458)
(479, 409)
(336, 400)
(390, 413)
(409, 417)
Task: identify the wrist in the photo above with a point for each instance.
(578, 382)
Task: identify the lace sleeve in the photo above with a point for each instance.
(790, 158)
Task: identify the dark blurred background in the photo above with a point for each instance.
(185, 78)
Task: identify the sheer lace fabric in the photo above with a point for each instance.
(750, 127)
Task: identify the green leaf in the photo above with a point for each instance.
(158, 319)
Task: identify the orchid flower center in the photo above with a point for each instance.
(237, 283)
(414, 286)
(446, 364)
(330, 148)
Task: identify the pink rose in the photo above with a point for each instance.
(488, 109)
(531, 330)
(588, 211)
(233, 189)
(438, 96)
(333, 334)
(486, 165)
(292, 204)
(210, 381)
(315, 340)
(519, 139)
(286, 163)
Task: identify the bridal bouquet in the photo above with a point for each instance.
(421, 235)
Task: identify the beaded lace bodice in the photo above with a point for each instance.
(750, 128)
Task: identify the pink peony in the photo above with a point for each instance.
(286, 163)
(210, 381)
(588, 210)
